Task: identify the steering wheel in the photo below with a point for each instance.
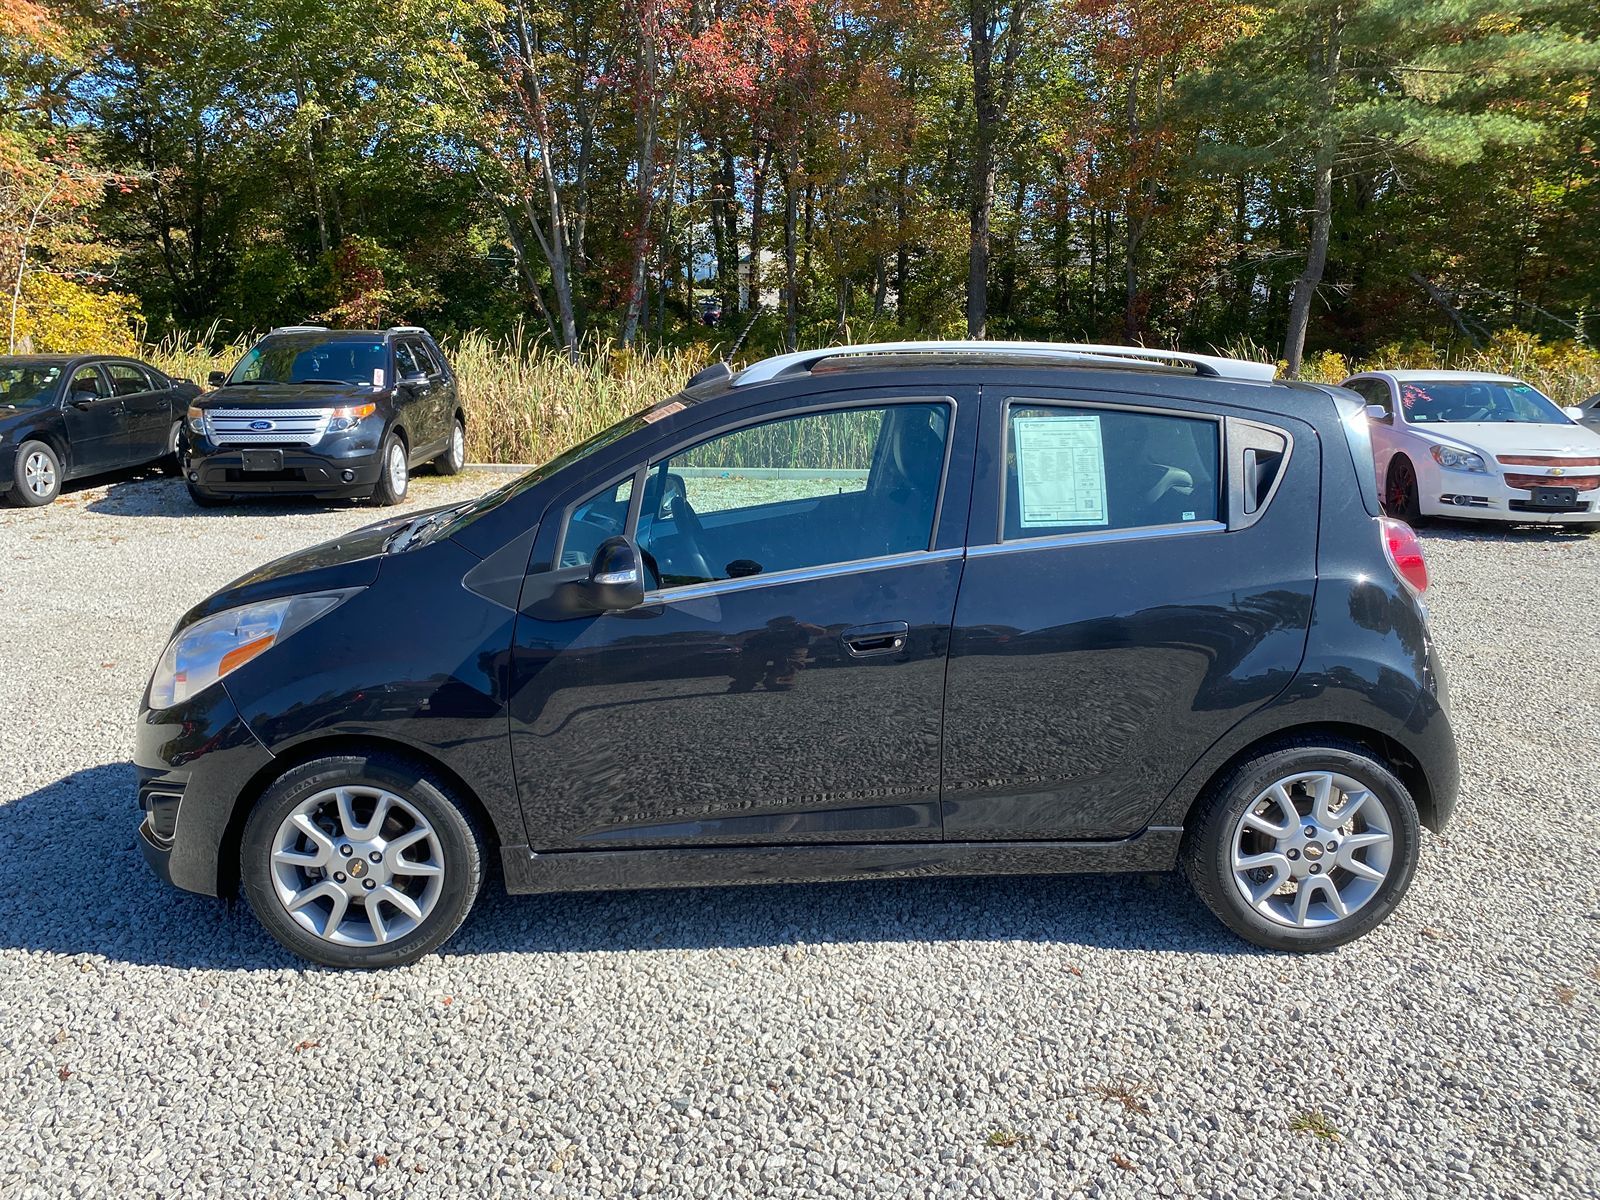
(692, 534)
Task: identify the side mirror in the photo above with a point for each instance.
(415, 379)
(616, 580)
(217, 378)
(1576, 413)
(1377, 412)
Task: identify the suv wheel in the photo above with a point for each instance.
(1400, 493)
(455, 454)
(1304, 847)
(360, 861)
(171, 463)
(395, 477)
(37, 476)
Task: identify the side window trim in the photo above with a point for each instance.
(882, 562)
(1086, 536)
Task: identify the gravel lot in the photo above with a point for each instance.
(1022, 1037)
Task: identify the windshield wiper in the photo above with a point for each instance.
(405, 538)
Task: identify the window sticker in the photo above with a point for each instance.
(377, 377)
(1061, 470)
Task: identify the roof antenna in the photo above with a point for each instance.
(738, 342)
(723, 369)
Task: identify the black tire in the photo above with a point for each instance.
(1400, 499)
(204, 499)
(387, 491)
(1208, 846)
(36, 478)
(455, 452)
(171, 462)
(461, 850)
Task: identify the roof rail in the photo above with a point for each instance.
(406, 329)
(301, 329)
(1084, 354)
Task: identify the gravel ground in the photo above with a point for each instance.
(1099, 1036)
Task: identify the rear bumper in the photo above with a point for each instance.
(304, 473)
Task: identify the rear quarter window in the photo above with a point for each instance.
(1358, 437)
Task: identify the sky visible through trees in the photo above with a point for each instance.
(1297, 174)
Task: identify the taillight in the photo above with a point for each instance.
(1404, 548)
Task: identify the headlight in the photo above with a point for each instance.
(348, 416)
(211, 648)
(197, 418)
(1458, 460)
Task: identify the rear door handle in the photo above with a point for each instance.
(864, 641)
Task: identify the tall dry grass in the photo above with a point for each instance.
(524, 404)
(527, 404)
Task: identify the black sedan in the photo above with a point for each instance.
(63, 416)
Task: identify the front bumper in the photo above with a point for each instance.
(305, 472)
(1487, 497)
(194, 761)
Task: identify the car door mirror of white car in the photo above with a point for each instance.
(1573, 411)
(1377, 412)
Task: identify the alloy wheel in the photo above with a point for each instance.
(397, 469)
(357, 866)
(39, 473)
(1312, 849)
(458, 447)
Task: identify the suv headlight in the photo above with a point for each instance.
(197, 419)
(214, 646)
(348, 416)
(1458, 460)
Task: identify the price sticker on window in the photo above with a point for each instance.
(1061, 470)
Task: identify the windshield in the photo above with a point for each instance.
(313, 360)
(1430, 402)
(27, 386)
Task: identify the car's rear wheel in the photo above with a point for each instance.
(455, 454)
(170, 463)
(395, 477)
(1305, 846)
(1400, 497)
(37, 477)
(360, 861)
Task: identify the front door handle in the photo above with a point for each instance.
(864, 641)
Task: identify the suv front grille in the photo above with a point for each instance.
(285, 426)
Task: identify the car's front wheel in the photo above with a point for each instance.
(1400, 495)
(395, 477)
(1305, 846)
(37, 478)
(360, 861)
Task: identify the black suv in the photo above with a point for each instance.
(925, 609)
(332, 413)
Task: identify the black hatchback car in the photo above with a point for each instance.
(926, 609)
(331, 413)
(64, 416)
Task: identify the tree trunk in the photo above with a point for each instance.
(647, 104)
(980, 179)
(1305, 288)
(791, 299)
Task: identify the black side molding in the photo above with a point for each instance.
(1156, 849)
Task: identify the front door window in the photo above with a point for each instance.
(806, 491)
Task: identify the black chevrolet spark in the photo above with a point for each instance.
(868, 612)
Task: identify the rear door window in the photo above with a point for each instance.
(1079, 469)
(127, 379)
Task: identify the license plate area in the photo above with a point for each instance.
(262, 460)
(1554, 498)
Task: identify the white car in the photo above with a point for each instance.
(1470, 444)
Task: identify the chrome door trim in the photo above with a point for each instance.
(1097, 537)
(717, 587)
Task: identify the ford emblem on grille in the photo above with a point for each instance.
(260, 424)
